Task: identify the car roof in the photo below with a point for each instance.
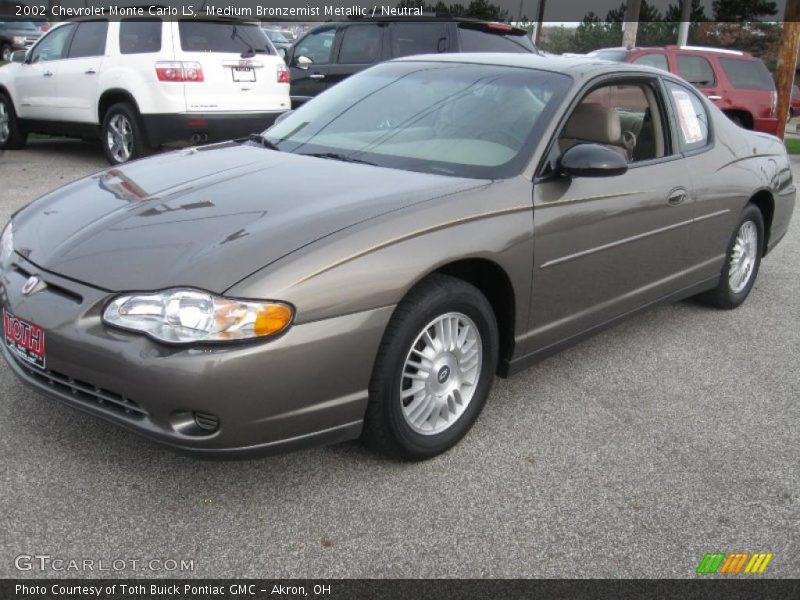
(578, 67)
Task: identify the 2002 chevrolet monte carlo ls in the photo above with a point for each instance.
(368, 264)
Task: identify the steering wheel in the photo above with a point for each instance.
(629, 140)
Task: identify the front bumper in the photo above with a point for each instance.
(307, 387)
(196, 128)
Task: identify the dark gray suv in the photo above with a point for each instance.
(332, 52)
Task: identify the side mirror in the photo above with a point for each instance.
(282, 116)
(592, 160)
(303, 62)
(19, 56)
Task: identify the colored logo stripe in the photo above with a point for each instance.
(732, 563)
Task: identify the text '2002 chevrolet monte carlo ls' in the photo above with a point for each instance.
(369, 263)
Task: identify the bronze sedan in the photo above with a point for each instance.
(368, 264)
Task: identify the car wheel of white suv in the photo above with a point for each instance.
(122, 135)
(11, 136)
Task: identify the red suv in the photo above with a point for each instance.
(739, 83)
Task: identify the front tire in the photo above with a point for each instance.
(742, 261)
(5, 53)
(11, 135)
(122, 134)
(434, 370)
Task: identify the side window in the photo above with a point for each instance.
(53, 46)
(317, 46)
(625, 118)
(361, 45)
(696, 70)
(659, 61)
(691, 116)
(418, 38)
(89, 40)
(140, 36)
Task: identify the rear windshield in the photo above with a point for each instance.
(487, 40)
(747, 74)
(218, 36)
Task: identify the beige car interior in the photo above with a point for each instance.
(625, 118)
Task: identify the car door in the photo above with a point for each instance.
(310, 62)
(35, 79)
(606, 246)
(77, 77)
(359, 46)
(717, 180)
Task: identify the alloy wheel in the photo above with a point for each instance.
(5, 122)
(743, 257)
(441, 373)
(120, 138)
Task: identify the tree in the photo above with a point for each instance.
(736, 11)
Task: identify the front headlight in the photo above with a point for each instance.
(6, 245)
(18, 40)
(182, 316)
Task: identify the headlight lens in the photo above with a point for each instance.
(182, 316)
(18, 40)
(6, 245)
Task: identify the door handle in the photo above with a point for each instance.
(677, 196)
(90, 71)
(317, 76)
(48, 73)
(714, 97)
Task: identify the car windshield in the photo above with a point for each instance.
(457, 119)
(277, 36)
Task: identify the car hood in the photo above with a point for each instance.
(207, 217)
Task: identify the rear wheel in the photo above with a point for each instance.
(122, 134)
(742, 261)
(434, 370)
(11, 135)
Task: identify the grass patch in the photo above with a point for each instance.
(792, 145)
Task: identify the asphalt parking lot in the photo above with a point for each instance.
(630, 455)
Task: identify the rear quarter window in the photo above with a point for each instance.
(747, 74)
(140, 36)
(418, 38)
(475, 40)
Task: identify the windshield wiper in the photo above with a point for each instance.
(342, 157)
(260, 139)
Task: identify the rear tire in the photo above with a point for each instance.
(742, 261)
(448, 328)
(122, 134)
(12, 137)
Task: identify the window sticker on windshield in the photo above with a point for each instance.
(687, 115)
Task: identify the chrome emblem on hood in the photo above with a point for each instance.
(31, 285)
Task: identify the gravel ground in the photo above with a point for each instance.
(631, 454)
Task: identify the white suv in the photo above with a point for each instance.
(140, 83)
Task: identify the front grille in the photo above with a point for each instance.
(86, 392)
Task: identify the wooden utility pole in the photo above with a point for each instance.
(683, 28)
(631, 25)
(539, 22)
(787, 61)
